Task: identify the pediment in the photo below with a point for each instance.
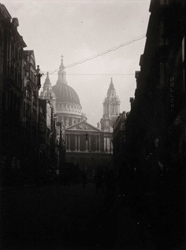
(83, 126)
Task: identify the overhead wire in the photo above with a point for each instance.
(95, 74)
(97, 55)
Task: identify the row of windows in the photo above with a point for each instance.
(69, 121)
(112, 109)
(13, 55)
(68, 107)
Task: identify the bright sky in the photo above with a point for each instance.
(84, 28)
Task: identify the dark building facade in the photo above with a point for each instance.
(119, 141)
(23, 117)
(30, 110)
(156, 128)
(159, 105)
(12, 91)
(49, 146)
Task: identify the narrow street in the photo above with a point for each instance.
(48, 217)
(66, 217)
(72, 217)
(93, 125)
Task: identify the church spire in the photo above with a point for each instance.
(47, 78)
(111, 91)
(61, 73)
(47, 92)
(111, 86)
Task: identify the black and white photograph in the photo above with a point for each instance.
(92, 125)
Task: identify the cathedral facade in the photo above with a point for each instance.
(87, 146)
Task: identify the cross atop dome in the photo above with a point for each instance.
(62, 58)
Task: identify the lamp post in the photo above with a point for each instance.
(86, 138)
(39, 75)
(62, 149)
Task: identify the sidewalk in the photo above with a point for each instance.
(16, 187)
(132, 234)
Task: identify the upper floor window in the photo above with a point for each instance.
(162, 36)
(32, 76)
(164, 2)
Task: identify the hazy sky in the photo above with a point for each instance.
(81, 29)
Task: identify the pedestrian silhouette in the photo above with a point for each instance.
(99, 181)
(84, 179)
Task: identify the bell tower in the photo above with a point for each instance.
(111, 109)
(47, 92)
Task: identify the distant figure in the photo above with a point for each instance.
(84, 179)
(110, 181)
(98, 181)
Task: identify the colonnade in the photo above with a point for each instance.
(108, 147)
(89, 145)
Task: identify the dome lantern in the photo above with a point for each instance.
(64, 93)
(61, 73)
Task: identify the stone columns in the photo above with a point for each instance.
(69, 142)
(78, 142)
(66, 142)
(105, 144)
(75, 143)
(89, 143)
(108, 144)
(96, 143)
(99, 144)
(86, 145)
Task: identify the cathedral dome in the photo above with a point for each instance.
(65, 94)
(68, 107)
